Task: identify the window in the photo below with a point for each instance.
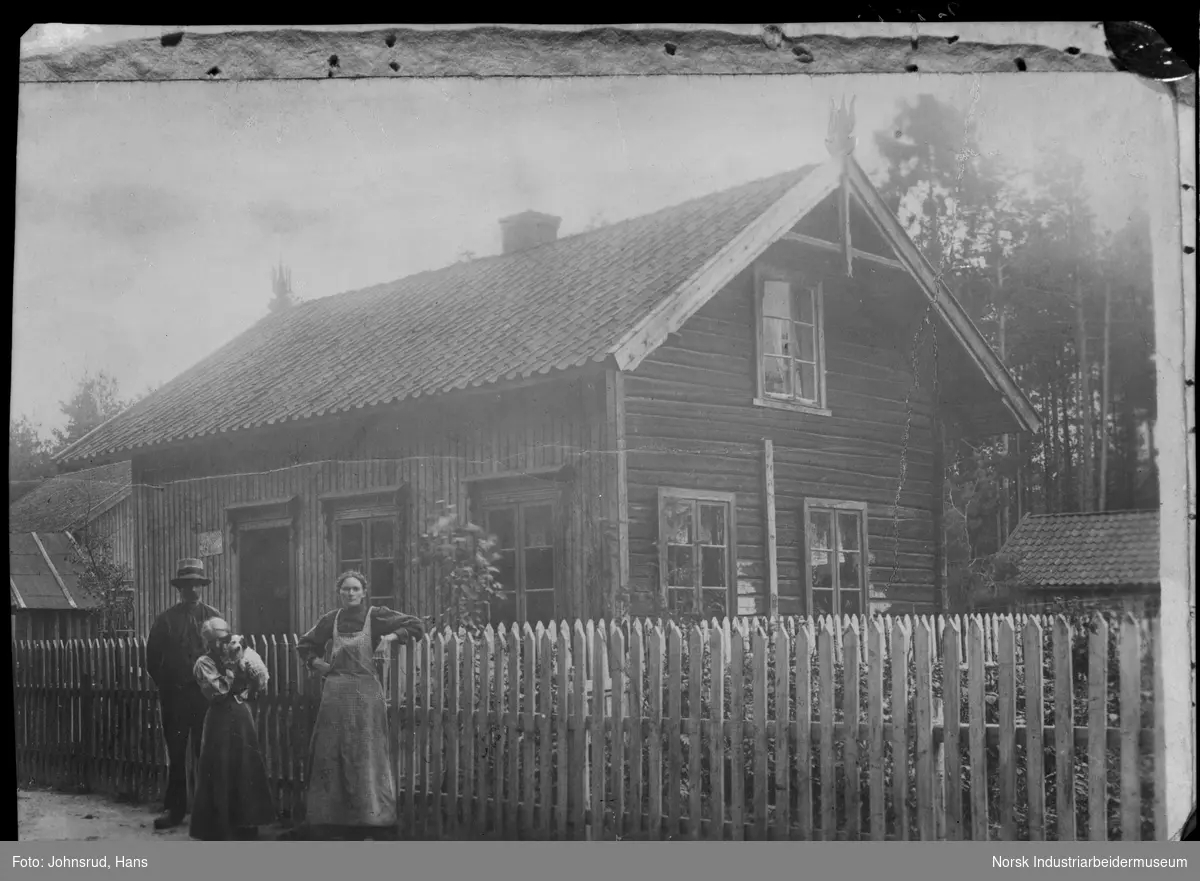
(368, 543)
(697, 553)
(524, 529)
(791, 368)
(837, 560)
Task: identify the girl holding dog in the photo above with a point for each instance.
(233, 795)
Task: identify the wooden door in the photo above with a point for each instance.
(265, 581)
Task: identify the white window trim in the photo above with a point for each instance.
(864, 553)
(762, 274)
(695, 495)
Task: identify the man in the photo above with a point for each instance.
(172, 649)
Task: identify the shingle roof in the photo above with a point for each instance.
(1087, 550)
(34, 578)
(556, 306)
(66, 501)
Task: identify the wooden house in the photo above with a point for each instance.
(1106, 561)
(71, 507)
(715, 405)
(46, 600)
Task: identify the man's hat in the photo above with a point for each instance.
(190, 573)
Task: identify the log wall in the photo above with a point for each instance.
(691, 423)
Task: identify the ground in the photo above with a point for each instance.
(46, 815)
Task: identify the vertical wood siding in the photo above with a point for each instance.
(691, 423)
(433, 448)
(117, 526)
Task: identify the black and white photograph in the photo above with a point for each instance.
(620, 458)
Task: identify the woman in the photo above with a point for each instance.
(233, 795)
(350, 785)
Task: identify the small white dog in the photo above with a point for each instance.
(245, 663)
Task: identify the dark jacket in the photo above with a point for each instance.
(384, 621)
(173, 646)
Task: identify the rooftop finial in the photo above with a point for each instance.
(840, 140)
(281, 287)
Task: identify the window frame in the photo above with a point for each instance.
(764, 273)
(698, 497)
(369, 515)
(834, 506)
(518, 500)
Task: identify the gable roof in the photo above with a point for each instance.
(607, 295)
(67, 501)
(1118, 548)
(43, 572)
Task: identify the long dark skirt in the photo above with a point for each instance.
(232, 789)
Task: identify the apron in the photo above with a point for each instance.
(350, 783)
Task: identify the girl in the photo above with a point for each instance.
(233, 795)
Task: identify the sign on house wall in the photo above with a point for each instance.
(211, 544)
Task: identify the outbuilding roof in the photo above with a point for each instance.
(1118, 548)
(68, 501)
(43, 572)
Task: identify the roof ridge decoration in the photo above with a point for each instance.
(839, 138)
(840, 142)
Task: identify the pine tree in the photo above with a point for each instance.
(96, 400)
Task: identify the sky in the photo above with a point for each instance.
(150, 215)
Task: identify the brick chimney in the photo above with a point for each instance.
(527, 230)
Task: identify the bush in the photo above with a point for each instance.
(106, 582)
(460, 555)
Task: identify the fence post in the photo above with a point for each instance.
(939, 764)
(87, 733)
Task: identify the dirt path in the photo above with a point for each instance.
(45, 815)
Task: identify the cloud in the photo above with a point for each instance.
(129, 212)
(277, 217)
(135, 211)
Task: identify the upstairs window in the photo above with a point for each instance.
(791, 342)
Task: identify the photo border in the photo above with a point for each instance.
(82, 54)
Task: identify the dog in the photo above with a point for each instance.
(245, 664)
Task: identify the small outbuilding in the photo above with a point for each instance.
(1101, 560)
(46, 599)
